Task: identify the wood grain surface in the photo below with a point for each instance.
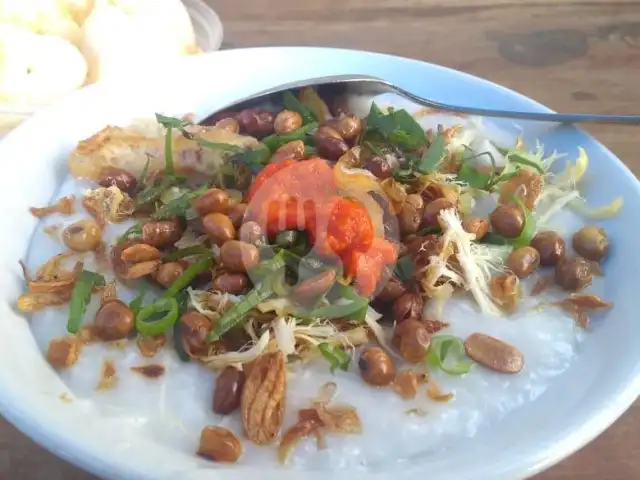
(572, 55)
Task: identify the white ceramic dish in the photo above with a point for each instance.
(599, 385)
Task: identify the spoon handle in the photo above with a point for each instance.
(375, 84)
(536, 116)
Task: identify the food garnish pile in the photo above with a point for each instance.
(264, 239)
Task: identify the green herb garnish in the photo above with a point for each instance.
(152, 192)
(238, 312)
(187, 276)
(178, 207)
(131, 232)
(433, 155)
(168, 152)
(177, 342)
(81, 296)
(447, 353)
(521, 157)
(142, 179)
(344, 310)
(397, 127)
(336, 356)
(405, 268)
(529, 227)
(150, 319)
(492, 238)
(290, 102)
(273, 142)
(188, 252)
(136, 304)
(255, 160)
(172, 122)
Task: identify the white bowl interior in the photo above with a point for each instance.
(583, 401)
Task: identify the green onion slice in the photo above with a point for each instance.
(149, 321)
(447, 353)
(336, 356)
(187, 277)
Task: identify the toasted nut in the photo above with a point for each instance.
(376, 367)
(551, 247)
(82, 236)
(523, 261)
(63, 352)
(220, 445)
(117, 177)
(194, 328)
(256, 123)
(141, 269)
(140, 253)
(229, 124)
(432, 211)
(168, 273)
(287, 121)
(219, 228)
(114, 321)
(264, 398)
(591, 242)
(478, 226)
(214, 200)
(228, 390)
(574, 273)
(379, 167)
(392, 290)
(410, 215)
(348, 126)
(149, 346)
(237, 256)
(493, 353)
(409, 306)
(251, 233)
(236, 214)
(329, 143)
(233, 283)
(412, 340)
(161, 234)
(526, 186)
(507, 221)
(293, 150)
(314, 286)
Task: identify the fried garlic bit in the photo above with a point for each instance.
(64, 206)
(580, 305)
(505, 291)
(108, 204)
(51, 286)
(108, 377)
(316, 420)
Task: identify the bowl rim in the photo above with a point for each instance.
(568, 442)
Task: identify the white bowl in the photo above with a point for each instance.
(581, 402)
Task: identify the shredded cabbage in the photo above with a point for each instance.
(477, 262)
(238, 358)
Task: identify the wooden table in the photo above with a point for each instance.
(573, 55)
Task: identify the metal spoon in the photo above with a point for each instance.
(366, 85)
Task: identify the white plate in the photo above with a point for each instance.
(599, 385)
